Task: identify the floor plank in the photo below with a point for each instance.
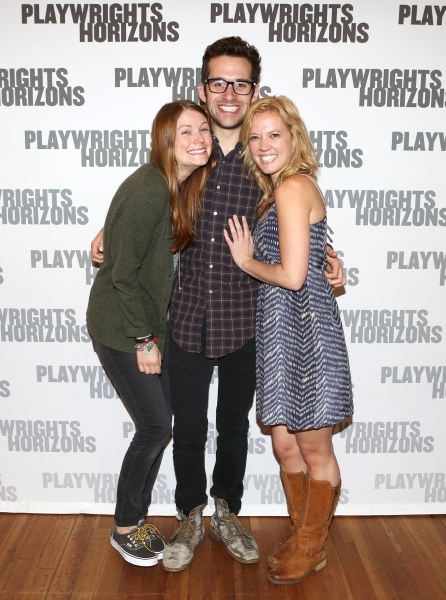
(45, 568)
(68, 557)
(73, 554)
(391, 551)
(17, 527)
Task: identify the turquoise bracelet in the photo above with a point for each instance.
(149, 347)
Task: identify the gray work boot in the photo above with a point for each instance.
(179, 552)
(226, 528)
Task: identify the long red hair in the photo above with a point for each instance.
(185, 199)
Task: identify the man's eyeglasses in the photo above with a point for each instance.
(241, 87)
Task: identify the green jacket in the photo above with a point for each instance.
(131, 291)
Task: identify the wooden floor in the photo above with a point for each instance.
(69, 556)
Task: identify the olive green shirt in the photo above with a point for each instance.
(131, 291)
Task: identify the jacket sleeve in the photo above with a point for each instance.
(133, 234)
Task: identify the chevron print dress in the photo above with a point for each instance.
(303, 374)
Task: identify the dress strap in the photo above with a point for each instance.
(317, 187)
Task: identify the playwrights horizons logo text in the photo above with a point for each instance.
(41, 325)
(393, 88)
(46, 436)
(426, 374)
(433, 484)
(318, 23)
(391, 437)
(100, 385)
(418, 260)
(113, 148)
(40, 207)
(427, 15)
(5, 392)
(391, 327)
(183, 81)
(64, 259)
(140, 22)
(333, 151)
(7, 493)
(38, 87)
(390, 208)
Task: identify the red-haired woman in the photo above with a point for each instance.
(150, 217)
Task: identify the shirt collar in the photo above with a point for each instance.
(237, 148)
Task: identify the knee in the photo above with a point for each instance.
(232, 425)
(166, 431)
(154, 435)
(189, 441)
(284, 449)
(315, 456)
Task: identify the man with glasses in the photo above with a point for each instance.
(212, 315)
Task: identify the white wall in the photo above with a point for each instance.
(62, 430)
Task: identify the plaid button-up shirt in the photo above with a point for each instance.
(213, 288)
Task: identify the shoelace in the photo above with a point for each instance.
(235, 526)
(184, 533)
(139, 540)
(149, 531)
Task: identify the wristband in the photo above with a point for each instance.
(147, 338)
(143, 346)
(150, 346)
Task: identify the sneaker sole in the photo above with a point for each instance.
(184, 567)
(217, 537)
(133, 560)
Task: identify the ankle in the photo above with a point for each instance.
(124, 530)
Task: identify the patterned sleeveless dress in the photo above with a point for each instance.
(303, 374)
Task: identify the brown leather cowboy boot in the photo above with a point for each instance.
(320, 500)
(293, 483)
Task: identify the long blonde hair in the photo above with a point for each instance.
(304, 157)
(185, 199)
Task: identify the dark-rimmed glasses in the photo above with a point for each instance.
(240, 87)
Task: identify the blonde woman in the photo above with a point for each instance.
(303, 376)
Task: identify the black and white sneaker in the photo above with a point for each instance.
(133, 548)
(152, 538)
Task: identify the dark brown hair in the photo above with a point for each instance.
(232, 46)
(185, 199)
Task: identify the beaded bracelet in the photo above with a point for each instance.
(140, 347)
(150, 346)
(144, 345)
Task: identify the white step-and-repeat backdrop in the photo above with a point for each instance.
(79, 87)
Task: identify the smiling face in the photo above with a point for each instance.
(193, 143)
(228, 109)
(270, 143)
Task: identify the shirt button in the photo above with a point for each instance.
(218, 187)
(211, 266)
(212, 239)
(210, 291)
(215, 213)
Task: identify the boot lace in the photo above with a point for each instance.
(234, 525)
(184, 534)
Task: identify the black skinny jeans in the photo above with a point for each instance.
(146, 397)
(190, 376)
